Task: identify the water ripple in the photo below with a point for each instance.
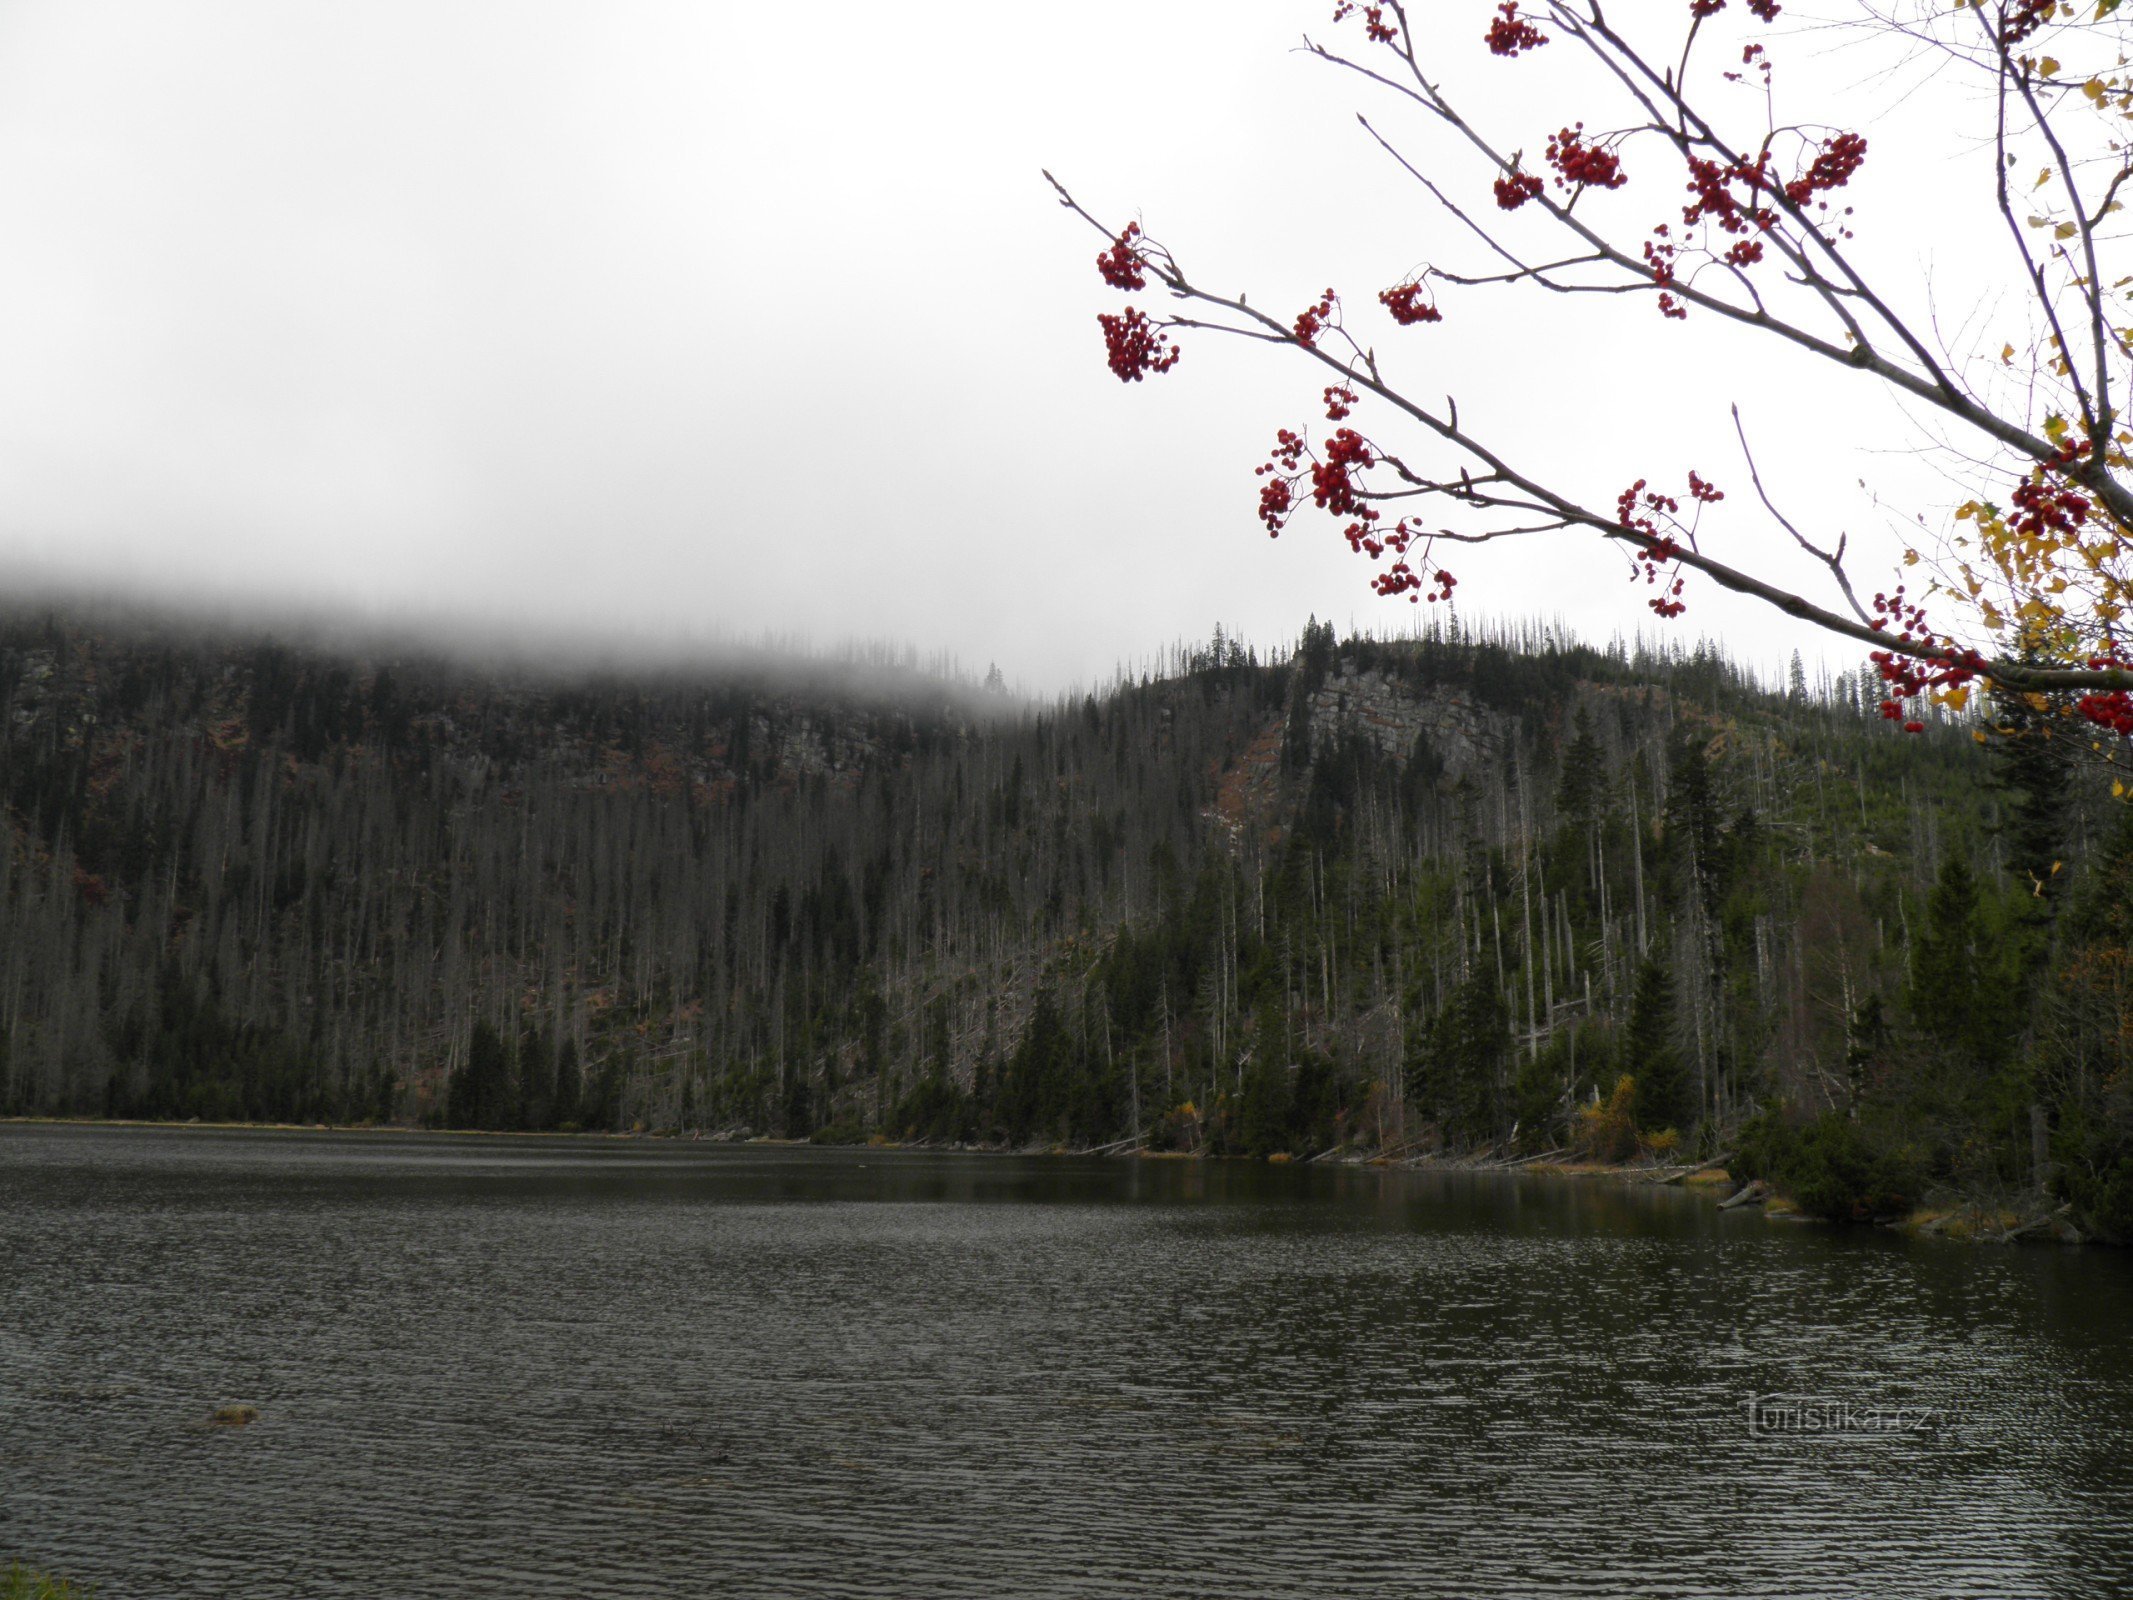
(514, 1367)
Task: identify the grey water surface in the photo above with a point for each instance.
(517, 1367)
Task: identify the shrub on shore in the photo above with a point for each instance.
(1834, 1167)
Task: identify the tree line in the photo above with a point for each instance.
(1487, 893)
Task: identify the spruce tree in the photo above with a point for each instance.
(1460, 1075)
(2030, 774)
(1945, 977)
(482, 1094)
(1584, 774)
(1649, 1055)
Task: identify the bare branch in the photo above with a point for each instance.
(1834, 560)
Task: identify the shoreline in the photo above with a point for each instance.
(1960, 1221)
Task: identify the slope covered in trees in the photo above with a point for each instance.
(1442, 892)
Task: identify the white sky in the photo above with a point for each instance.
(691, 319)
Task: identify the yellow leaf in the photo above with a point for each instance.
(2048, 67)
(2043, 178)
(2065, 230)
(2118, 789)
(2093, 89)
(2007, 356)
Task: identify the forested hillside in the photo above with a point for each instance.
(1449, 892)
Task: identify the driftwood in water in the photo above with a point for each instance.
(1755, 1192)
(1393, 1152)
(1106, 1149)
(1527, 1161)
(1678, 1173)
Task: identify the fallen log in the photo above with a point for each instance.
(1104, 1150)
(1392, 1152)
(1527, 1161)
(1751, 1195)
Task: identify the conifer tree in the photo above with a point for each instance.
(1944, 958)
(1460, 1075)
(482, 1092)
(1649, 1054)
(1578, 790)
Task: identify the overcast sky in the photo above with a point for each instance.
(691, 319)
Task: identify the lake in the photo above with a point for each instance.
(510, 1367)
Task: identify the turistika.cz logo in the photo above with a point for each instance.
(1825, 1416)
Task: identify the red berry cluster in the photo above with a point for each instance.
(1121, 264)
(1766, 9)
(1659, 252)
(1832, 168)
(2046, 510)
(1515, 189)
(1406, 306)
(1711, 182)
(1581, 165)
(1671, 308)
(1333, 484)
(1907, 675)
(1908, 616)
(1375, 28)
(2113, 709)
(1510, 33)
(2024, 18)
(1276, 501)
(1313, 319)
(1400, 578)
(1134, 346)
(1335, 474)
(1639, 510)
(1751, 55)
(1629, 516)
(1277, 496)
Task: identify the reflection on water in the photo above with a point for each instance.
(505, 1368)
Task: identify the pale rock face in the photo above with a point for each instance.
(1462, 735)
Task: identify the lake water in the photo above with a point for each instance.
(491, 1367)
